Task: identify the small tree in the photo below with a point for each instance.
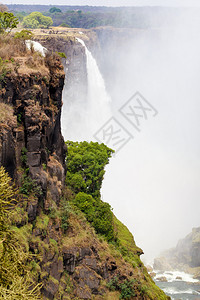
(37, 20)
(7, 21)
(55, 10)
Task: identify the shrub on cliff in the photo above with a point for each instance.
(37, 20)
(24, 34)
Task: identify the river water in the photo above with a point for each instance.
(185, 288)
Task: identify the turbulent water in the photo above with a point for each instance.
(81, 120)
(179, 285)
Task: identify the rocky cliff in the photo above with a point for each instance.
(33, 94)
(68, 258)
(184, 257)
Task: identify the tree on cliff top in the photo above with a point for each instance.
(37, 20)
(7, 21)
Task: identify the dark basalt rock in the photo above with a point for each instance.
(38, 132)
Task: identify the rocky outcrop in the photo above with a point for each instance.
(184, 257)
(33, 143)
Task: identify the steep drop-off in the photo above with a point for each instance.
(69, 258)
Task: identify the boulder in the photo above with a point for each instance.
(162, 278)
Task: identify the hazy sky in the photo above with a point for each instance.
(109, 2)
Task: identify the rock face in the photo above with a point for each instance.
(185, 256)
(34, 141)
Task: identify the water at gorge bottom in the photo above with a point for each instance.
(185, 288)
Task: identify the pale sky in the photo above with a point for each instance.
(173, 3)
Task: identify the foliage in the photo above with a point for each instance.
(37, 20)
(64, 214)
(30, 186)
(55, 10)
(64, 25)
(24, 34)
(7, 21)
(21, 15)
(4, 69)
(24, 151)
(44, 166)
(86, 160)
(85, 170)
(15, 278)
(126, 287)
(125, 243)
(7, 197)
(62, 54)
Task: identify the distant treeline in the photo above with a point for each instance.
(94, 16)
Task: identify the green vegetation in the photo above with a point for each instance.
(64, 25)
(98, 213)
(7, 21)
(126, 287)
(85, 171)
(64, 215)
(55, 10)
(30, 186)
(4, 69)
(24, 34)
(37, 20)
(23, 156)
(15, 277)
(85, 166)
(62, 54)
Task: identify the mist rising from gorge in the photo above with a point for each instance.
(153, 182)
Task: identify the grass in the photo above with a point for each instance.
(42, 221)
(125, 237)
(7, 115)
(80, 233)
(23, 234)
(16, 58)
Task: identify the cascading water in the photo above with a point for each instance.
(82, 118)
(36, 46)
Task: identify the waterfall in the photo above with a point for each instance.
(36, 46)
(82, 118)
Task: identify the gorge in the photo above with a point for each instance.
(63, 253)
(151, 183)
